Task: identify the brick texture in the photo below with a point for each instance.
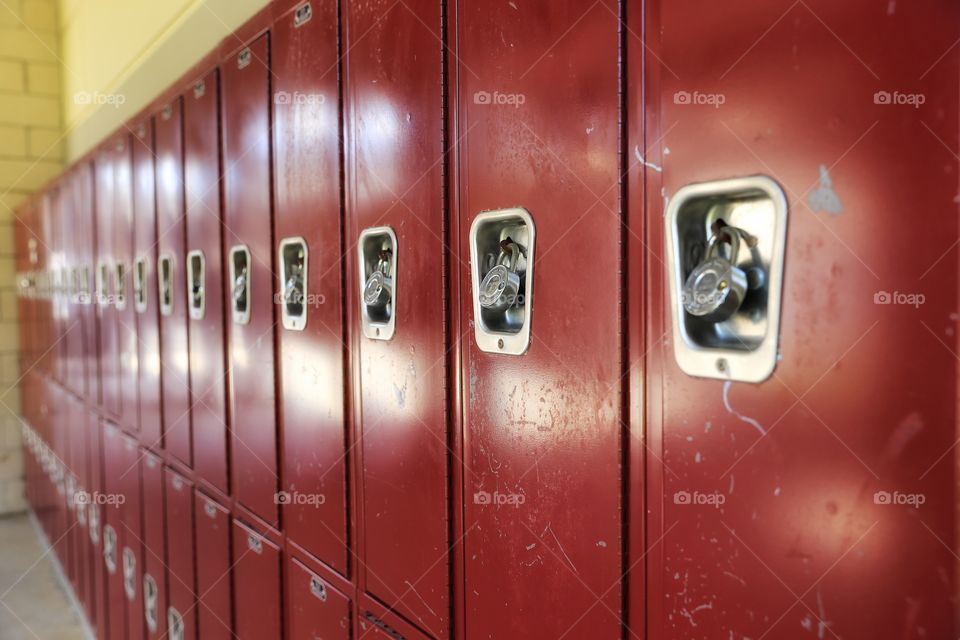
(31, 152)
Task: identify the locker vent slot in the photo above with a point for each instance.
(390, 631)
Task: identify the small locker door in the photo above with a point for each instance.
(307, 229)
(103, 284)
(132, 551)
(154, 538)
(314, 608)
(122, 277)
(205, 273)
(256, 584)
(250, 276)
(110, 509)
(143, 278)
(87, 232)
(181, 602)
(172, 279)
(213, 568)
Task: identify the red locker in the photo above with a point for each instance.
(107, 317)
(315, 609)
(248, 234)
(122, 227)
(154, 539)
(71, 300)
(539, 184)
(144, 290)
(181, 602)
(95, 522)
(172, 279)
(86, 232)
(213, 569)
(111, 513)
(208, 374)
(131, 536)
(784, 506)
(256, 584)
(395, 211)
(307, 227)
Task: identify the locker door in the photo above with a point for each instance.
(144, 291)
(111, 513)
(87, 282)
(95, 522)
(538, 115)
(315, 608)
(103, 277)
(394, 111)
(131, 536)
(247, 212)
(208, 375)
(155, 541)
(171, 279)
(213, 569)
(256, 584)
(311, 338)
(181, 603)
(73, 332)
(122, 277)
(822, 485)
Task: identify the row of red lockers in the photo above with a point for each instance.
(130, 395)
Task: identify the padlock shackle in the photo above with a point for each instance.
(733, 233)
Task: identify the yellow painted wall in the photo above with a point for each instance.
(119, 54)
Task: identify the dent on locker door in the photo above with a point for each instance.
(542, 368)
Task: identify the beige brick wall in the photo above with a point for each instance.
(31, 153)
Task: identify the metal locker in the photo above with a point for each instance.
(540, 310)
(395, 218)
(70, 308)
(86, 281)
(256, 584)
(181, 601)
(247, 215)
(205, 276)
(784, 494)
(307, 228)
(131, 536)
(107, 317)
(143, 287)
(154, 585)
(315, 609)
(122, 228)
(112, 534)
(171, 281)
(95, 524)
(212, 522)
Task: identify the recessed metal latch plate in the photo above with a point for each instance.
(501, 265)
(240, 283)
(293, 283)
(725, 302)
(196, 284)
(377, 258)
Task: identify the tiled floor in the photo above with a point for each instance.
(32, 602)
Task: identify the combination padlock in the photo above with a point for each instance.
(378, 290)
(500, 288)
(715, 289)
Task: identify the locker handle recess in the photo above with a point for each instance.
(94, 517)
(129, 573)
(150, 602)
(110, 548)
(240, 279)
(501, 264)
(293, 283)
(318, 589)
(103, 279)
(174, 624)
(725, 243)
(377, 248)
(120, 285)
(165, 284)
(140, 285)
(196, 277)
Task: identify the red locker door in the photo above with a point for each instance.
(111, 512)
(314, 608)
(103, 277)
(181, 603)
(208, 375)
(307, 225)
(95, 522)
(828, 469)
(73, 332)
(213, 569)
(256, 584)
(87, 238)
(144, 283)
(394, 111)
(122, 227)
(131, 537)
(538, 116)
(154, 539)
(247, 212)
(172, 279)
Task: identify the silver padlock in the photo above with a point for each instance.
(715, 289)
(500, 288)
(378, 290)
